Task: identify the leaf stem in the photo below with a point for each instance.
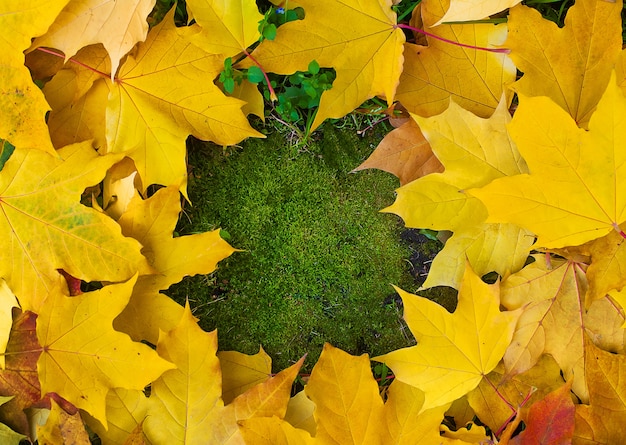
(267, 79)
(619, 230)
(62, 56)
(452, 42)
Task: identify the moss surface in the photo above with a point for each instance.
(319, 259)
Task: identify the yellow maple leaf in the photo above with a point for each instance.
(117, 24)
(152, 223)
(601, 421)
(185, 404)
(349, 409)
(83, 357)
(367, 55)
(46, 228)
(23, 106)
(169, 81)
(468, 10)
(473, 151)
(554, 318)
(241, 372)
(126, 410)
(228, 27)
(570, 65)
(454, 351)
(573, 193)
(433, 74)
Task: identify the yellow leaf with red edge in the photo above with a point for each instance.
(454, 351)
(573, 193)
(435, 73)
(46, 228)
(405, 153)
(117, 24)
(603, 419)
(83, 357)
(23, 106)
(570, 65)
(473, 151)
(186, 405)
(164, 92)
(360, 40)
(229, 27)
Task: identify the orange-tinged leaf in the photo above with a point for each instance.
(22, 103)
(117, 24)
(433, 74)
(404, 152)
(348, 408)
(358, 39)
(573, 193)
(550, 420)
(454, 351)
(62, 428)
(602, 421)
(570, 65)
(228, 27)
(163, 93)
(83, 357)
(241, 372)
(46, 228)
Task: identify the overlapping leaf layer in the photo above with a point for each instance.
(537, 197)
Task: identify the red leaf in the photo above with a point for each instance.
(550, 421)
